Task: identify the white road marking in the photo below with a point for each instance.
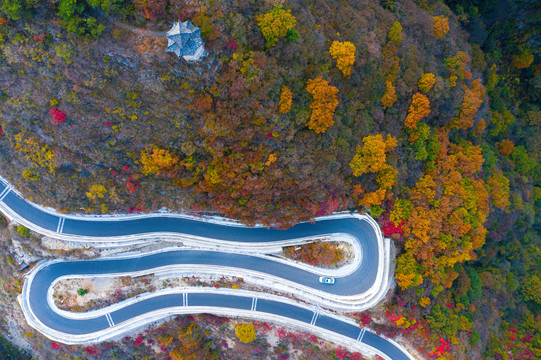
(4, 193)
(59, 224)
(314, 318)
(109, 319)
(184, 299)
(62, 226)
(254, 304)
(361, 334)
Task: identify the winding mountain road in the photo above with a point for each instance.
(357, 289)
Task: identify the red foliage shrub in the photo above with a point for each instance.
(56, 346)
(107, 123)
(365, 318)
(389, 228)
(341, 353)
(232, 45)
(139, 340)
(58, 117)
(126, 168)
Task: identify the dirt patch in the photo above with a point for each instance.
(321, 253)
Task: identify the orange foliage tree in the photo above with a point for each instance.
(506, 147)
(372, 198)
(158, 161)
(473, 98)
(419, 109)
(286, 98)
(389, 98)
(344, 54)
(426, 82)
(441, 27)
(323, 105)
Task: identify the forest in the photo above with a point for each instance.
(424, 114)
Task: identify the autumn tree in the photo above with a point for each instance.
(426, 82)
(401, 211)
(323, 104)
(505, 147)
(441, 27)
(419, 109)
(372, 198)
(372, 155)
(286, 98)
(456, 66)
(407, 272)
(276, 24)
(344, 54)
(96, 191)
(395, 33)
(386, 177)
(449, 207)
(524, 59)
(159, 161)
(473, 98)
(245, 333)
(389, 98)
(498, 187)
(531, 291)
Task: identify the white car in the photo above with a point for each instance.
(326, 280)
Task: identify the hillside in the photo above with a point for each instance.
(420, 115)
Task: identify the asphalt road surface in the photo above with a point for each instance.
(353, 284)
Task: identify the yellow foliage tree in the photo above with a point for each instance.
(286, 99)
(371, 156)
(96, 191)
(344, 54)
(245, 332)
(395, 33)
(407, 272)
(498, 187)
(523, 60)
(424, 301)
(158, 161)
(456, 66)
(426, 82)
(386, 177)
(323, 105)
(40, 155)
(389, 98)
(276, 24)
(441, 27)
(419, 109)
(531, 289)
